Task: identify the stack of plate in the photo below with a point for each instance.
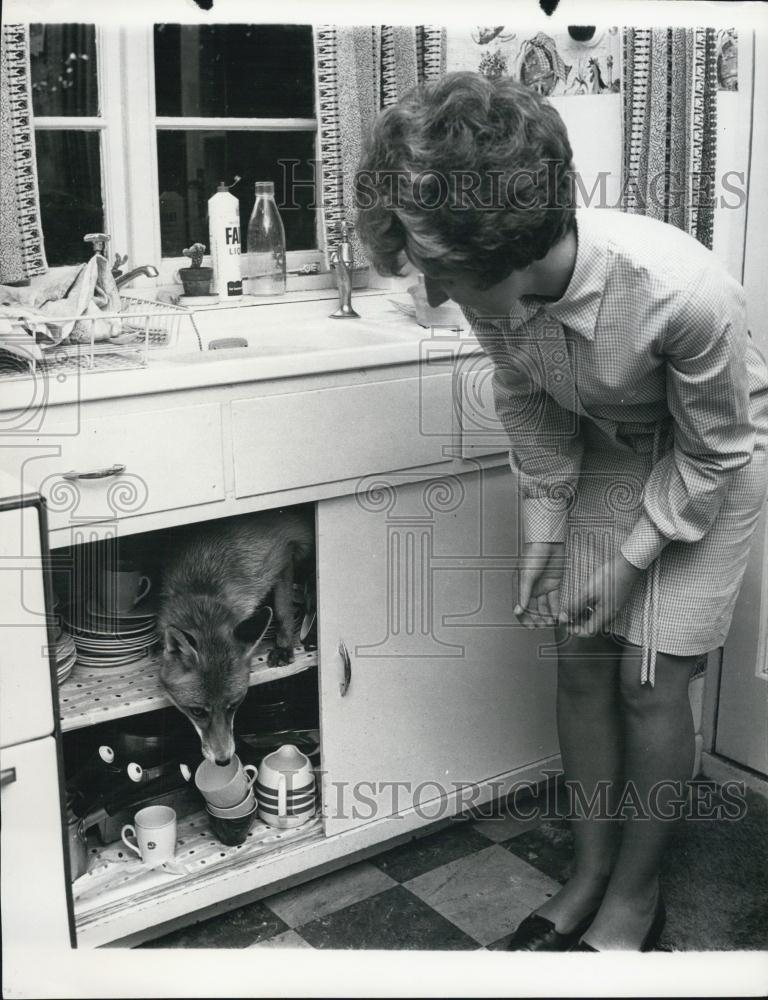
(112, 639)
(66, 654)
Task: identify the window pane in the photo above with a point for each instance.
(191, 164)
(234, 70)
(69, 175)
(63, 62)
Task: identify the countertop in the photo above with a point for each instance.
(287, 339)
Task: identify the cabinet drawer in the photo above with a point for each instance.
(480, 430)
(325, 435)
(26, 708)
(34, 889)
(172, 458)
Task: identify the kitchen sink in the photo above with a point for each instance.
(292, 327)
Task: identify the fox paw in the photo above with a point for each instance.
(279, 656)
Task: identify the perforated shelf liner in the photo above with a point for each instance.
(91, 695)
(116, 877)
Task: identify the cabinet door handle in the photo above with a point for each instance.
(347, 666)
(114, 470)
(7, 776)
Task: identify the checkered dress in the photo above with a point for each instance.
(637, 411)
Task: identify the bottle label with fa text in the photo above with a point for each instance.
(224, 224)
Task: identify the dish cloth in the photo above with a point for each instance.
(47, 313)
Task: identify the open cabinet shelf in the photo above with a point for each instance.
(116, 879)
(91, 695)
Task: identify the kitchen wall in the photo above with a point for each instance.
(594, 120)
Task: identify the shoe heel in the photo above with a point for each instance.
(657, 926)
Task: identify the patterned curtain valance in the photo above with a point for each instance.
(359, 71)
(22, 251)
(670, 117)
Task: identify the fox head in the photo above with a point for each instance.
(205, 672)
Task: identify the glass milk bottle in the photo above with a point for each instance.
(264, 264)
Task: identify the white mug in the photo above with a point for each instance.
(155, 831)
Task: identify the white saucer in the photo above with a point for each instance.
(142, 610)
(103, 634)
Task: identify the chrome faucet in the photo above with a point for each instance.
(99, 243)
(148, 270)
(341, 262)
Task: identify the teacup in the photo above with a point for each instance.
(234, 812)
(225, 786)
(121, 589)
(155, 833)
(231, 832)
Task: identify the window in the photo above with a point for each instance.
(232, 100)
(68, 127)
(177, 109)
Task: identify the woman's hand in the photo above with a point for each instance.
(538, 600)
(602, 597)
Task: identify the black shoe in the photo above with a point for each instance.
(650, 940)
(537, 933)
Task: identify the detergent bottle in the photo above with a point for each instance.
(225, 243)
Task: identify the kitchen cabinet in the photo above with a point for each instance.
(324, 435)
(32, 872)
(26, 704)
(121, 465)
(425, 680)
(427, 683)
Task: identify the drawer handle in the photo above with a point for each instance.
(347, 665)
(114, 470)
(7, 776)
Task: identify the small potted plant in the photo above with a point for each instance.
(196, 279)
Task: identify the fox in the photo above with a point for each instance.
(211, 615)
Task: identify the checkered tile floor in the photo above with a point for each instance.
(467, 886)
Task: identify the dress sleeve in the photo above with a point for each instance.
(545, 451)
(705, 349)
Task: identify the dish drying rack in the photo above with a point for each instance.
(146, 326)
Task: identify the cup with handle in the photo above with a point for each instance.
(154, 829)
(225, 786)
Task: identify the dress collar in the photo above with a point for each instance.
(580, 303)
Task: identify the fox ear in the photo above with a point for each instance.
(250, 630)
(180, 643)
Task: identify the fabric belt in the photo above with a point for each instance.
(651, 597)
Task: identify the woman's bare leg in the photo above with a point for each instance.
(589, 728)
(659, 748)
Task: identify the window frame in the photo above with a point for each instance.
(108, 123)
(128, 127)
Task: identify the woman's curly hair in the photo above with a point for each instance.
(473, 174)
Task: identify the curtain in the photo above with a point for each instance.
(360, 70)
(22, 252)
(669, 85)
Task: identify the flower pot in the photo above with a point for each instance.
(196, 280)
